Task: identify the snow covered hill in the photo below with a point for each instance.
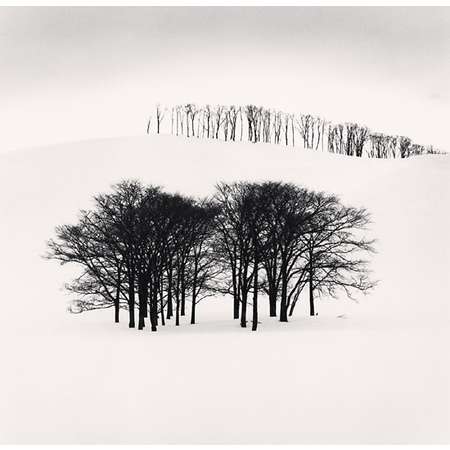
(346, 376)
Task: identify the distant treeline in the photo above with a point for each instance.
(257, 124)
(141, 247)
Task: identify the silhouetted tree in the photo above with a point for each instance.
(234, 241)
(159, 118)
(333, 258)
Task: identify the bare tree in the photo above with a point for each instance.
(334, 245)
(159, 117)
(404, 146)
(234, 241)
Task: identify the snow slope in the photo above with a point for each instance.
(378, 373)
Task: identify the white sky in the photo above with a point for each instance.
(77, 73)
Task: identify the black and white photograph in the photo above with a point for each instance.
(225, 224)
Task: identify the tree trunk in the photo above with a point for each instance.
(154, 302)
(183, 294)
(243, 292)
(194, 304)
(235, 294)
(131, 298)
(154, 309)
(273, 304)
(292, 306)
(255, 297)
(235, 306)
(194, 292)
(283, 306)
(311, 288)
(272, 296)
(244, 309)
(177, 312)
(145, 294)
(161, 302)
(177, 298)
(117, 300)
(116, 312)
(142, 306)
(169, 294)
(131, 322)
(239, 288)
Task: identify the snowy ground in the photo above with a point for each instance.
(379, 374)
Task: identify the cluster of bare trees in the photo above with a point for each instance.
(258, 124)
(140, 247)
(143, 248)
(277, 238)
